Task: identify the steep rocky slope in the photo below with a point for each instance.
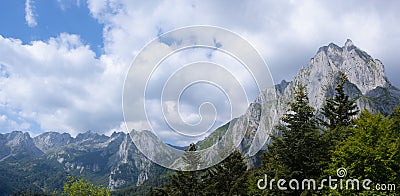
(366, 83)
(112, 161)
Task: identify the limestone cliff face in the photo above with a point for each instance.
(365, 76)
(364, 73)
(114, 161)
(366, 83)
(51, 140)
(130, 166)
(17, 144)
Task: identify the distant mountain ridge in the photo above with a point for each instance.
(17, 144)
(114, 161)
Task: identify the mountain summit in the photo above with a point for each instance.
(348, 43)
(366, 78)
(366, 83)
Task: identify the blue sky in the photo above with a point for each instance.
(52, 18)
(63, 63)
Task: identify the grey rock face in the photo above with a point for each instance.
(366, 83)
(114, 160)
(18, 145)
(50, 140)
(131, 166)
(365, 76)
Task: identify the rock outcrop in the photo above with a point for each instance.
(366, 83)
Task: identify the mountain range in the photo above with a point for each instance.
(42, 162)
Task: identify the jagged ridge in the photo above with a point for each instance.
(366, 83)
(112, 161)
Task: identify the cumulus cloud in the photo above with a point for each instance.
(59, 84)
(287, 34)
(277, 29)
(29, 13)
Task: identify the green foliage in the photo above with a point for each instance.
(214, 137)
(396, 119)
(83, 188)
(340, 109)
(371, 152)
(339, 112)
(252, 179)
(227, 178)
(296, 154)
(183, 182)
(30, 175)
(368, 147)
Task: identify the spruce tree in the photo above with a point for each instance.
(296, 153)
(340, 109)
(191, 158)
(227, 177)
(339, 112)
(184, 182)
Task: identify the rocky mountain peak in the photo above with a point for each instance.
(280, 88)
(333, 48)
(16, 138)
(17, 144)
(366, 76)
(90, 137)
(116, 134)
(348, 43)
(50, 140)
(362, 70)
(366, 83)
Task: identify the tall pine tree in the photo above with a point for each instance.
(184, 182)
(227, 177)
(295, 154)
(340, 109)
(339, 112)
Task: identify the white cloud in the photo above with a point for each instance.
(276, 28)
(287, 34)
(29, 13)
(66, 4)
(3, 118)
(60, 85)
